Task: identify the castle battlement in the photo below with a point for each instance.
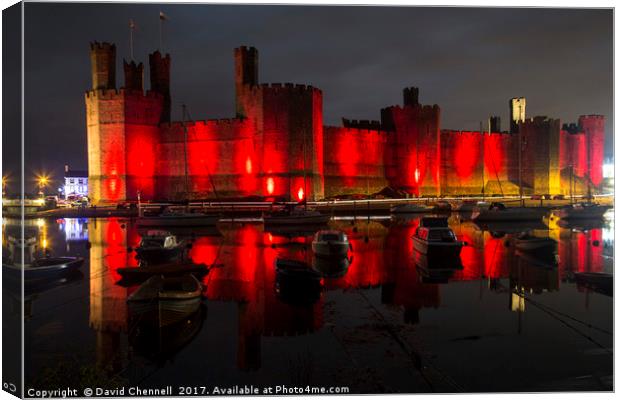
(357, 131)
(362, 124)
(572, 128)
(102, 46)
(113, 94)
(288, 87)
(463, 132)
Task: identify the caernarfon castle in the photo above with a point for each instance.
(276, 146)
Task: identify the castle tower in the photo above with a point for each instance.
(517, 113)
(122, 129)
(412, 157)
(103, 65)
(105, 127)
(134, 75)
(593, 127)
(246, 77)
(495, 124)
(160, 80)
(410, 96)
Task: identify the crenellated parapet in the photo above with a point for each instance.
(134, 75)
(363, 124)
(103, 65)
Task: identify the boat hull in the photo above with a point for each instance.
(586, 213)
(140, 274)
(158, 255)
(62, 267)
(439, 250)
(177, 221)
(330, 249)
(293, 220)
(536, 244)
(509, 214)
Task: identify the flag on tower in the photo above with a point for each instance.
(162, 16)
(132, 25)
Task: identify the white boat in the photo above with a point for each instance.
(527, 242)
(581, 211)
(330, 243)
(499, 212)
(410, 208)
(434, 238)
(178, 218)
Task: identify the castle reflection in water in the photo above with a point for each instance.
(382, 258)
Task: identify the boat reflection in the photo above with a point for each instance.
(160, 342)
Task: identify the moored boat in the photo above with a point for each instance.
(467, 206)
(332, 267)
(178, 218)
(499, 212)
(410, 208)
(44, 268)
(601, 282)
(297, 282)
(170, 299)
(295, 216)
(583, 210)
(330, 243)
(158, 246)
(434, 238)
(140, 274)
(528, 242)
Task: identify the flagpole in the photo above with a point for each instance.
(162, 17)
(131, 28)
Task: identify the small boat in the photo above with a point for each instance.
(442, 207)
(178, 218)
(468, 206)
(330, 243)
(332, 267)
(435, 238)
(159, 246)
(44, 268)
(499, 212)
(168, 299)
(140, 274)
(158, 343)
(601, 282)
(295, 270)
(295, 216)
(547, 260)
(581, 211)
(437, 263)
(296, 282)
(410, 208)
(528, 242)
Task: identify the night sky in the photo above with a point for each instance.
(468, 61)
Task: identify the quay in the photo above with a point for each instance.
(254, 209)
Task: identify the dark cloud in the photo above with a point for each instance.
(469, 61)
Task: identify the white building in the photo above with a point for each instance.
(76, 183)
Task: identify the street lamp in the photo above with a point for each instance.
(4, 183)
(42, 181)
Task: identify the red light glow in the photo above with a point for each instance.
(300, 194)
(270, 186)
